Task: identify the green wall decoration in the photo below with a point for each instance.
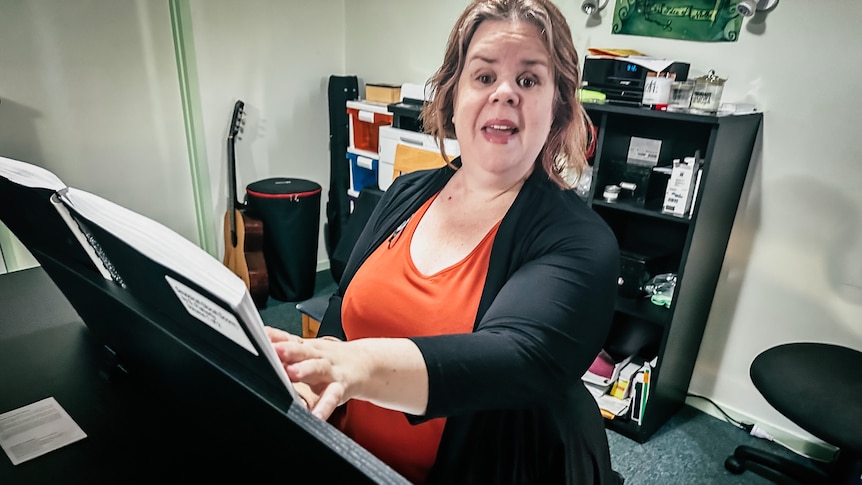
(696, 20)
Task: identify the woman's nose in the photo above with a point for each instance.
(505, 93)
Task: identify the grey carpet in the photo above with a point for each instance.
(689, 449)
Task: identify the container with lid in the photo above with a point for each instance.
(706, 97)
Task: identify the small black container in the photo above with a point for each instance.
(290, 211)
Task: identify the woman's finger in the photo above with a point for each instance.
(278, 335)
(329, 400)
(314, 371)
(306, 394)
(290, 352)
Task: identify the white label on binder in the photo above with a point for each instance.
(211, 314)
(366, 116)
(365, 162)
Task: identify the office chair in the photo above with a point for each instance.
(817, 386)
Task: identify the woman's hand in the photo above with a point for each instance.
(389, 372)
(312, 365)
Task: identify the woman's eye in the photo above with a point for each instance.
(527, 82)
(485, 79)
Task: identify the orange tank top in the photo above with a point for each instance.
(389, 297)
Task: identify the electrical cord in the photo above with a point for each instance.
(748, 427)
(753, 429)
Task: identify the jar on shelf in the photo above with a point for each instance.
(657, 90)
(706, 97)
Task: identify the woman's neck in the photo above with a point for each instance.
(483, 187)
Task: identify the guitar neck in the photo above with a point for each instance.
(233, 203)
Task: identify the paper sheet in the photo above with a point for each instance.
(36, 429)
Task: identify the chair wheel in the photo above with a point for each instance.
(733, 465)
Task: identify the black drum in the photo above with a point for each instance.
(290, 211)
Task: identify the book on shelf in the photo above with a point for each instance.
(622, 387)
(612, 407)
(637, 397)
(641, 390)
(200, 299)
(602, 380)
(604, 370)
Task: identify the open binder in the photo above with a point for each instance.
(171, 315)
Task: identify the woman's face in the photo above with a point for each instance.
(504, 99)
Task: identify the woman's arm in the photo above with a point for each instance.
(389, 372)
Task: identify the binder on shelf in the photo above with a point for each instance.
(602, 380)
(640, 399)
(637, 398)
(171, 313)
(644, 398)
(622, 387)
(604, 370)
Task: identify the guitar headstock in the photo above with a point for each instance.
(238, 119)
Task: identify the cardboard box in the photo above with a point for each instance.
(382, 92)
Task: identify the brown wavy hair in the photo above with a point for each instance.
(565, 148)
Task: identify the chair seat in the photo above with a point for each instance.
(817, 386)
(312, 311)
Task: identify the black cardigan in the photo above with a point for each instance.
(517, 411)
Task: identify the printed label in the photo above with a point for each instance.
(211, 314)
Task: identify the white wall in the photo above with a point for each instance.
(277, 57)
(89, 91)
(793, 270)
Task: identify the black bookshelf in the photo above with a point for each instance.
(697, 240)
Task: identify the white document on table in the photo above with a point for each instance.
(36, 429)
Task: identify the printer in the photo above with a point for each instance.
(622, 79)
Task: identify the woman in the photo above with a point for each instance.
(478, 293)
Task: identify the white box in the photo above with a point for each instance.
(644, 151)
(680, 188)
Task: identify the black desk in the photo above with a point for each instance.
(136, 430)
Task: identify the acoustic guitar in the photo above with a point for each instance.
(243, 233)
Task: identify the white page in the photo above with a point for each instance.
(29, 175)
(159, 243)
(36, 429)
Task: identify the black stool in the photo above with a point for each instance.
(817, 386)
